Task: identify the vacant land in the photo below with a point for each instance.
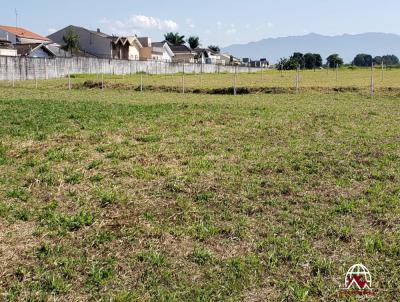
(117, 195)
(347, 79)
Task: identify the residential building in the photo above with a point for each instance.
(182, 53)
(206, 56)
(163, 47)
(126, 48)
(101, 45)
(18, 35)
(41, 50)
(92, 42)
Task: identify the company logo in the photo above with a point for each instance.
(358, 282)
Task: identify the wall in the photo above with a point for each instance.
(8, 52)
(22, 68)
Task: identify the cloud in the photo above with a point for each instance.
(52, 30)
(270, 24)
(136, 23)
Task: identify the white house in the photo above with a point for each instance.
(165, 50)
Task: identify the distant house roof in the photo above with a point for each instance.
(180, 48)
(145, 41)
(23, 33)
(26, 49)
(94, 32)
(158, 44)
(127, 40)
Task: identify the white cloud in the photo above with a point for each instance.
(270, 24)
(135, 23)
(52, 30)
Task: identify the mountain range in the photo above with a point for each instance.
(347, 46)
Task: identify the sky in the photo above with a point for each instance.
(220, 22)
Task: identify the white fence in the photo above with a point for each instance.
(22, 68)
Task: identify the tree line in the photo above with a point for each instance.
(366, 60)
(192, 41)
(308, 61)
(313, 61)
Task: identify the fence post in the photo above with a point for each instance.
(337, 72)
(13, 76)
(235, 81)
(102, 76)
(371, 91)
(262, 74)
(141, 81)
(69, 79)
(183, 78)
(45, 69)
(34, 74)
(382, 76)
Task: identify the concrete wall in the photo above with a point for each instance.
(21, 68)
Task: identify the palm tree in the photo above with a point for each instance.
(215, 48)
(194, 42)
(174, 38)
(71, 41)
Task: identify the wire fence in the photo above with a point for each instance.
(187, 80)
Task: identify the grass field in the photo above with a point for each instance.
(118, 195)
(358, 79)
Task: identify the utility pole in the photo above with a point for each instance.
(16, 18)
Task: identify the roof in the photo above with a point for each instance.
(158, 44)
(127, 40)
(180, 48)
(26, 49)
(22, 33)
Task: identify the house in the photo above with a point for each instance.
(126, 48)
(7, 49)
(206, 56)
(148, 53)
(163, 47)
(92, 42)
(182, 53)
(18, 35)
(41, 50)
(98, 44)
(36, 50)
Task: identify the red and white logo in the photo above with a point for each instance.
(358, 281)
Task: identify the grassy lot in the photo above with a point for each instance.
(117, 195)
(359, 78)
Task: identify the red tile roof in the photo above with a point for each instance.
(22, 33)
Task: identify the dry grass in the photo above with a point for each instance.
(117, 195)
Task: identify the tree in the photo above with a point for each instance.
(389, 60)
(363, 60)
(194, 42)
(318, 60)
(298, 59)
(214, 48)
(309, 61)
(174, 38)
(71, 41)
(334, 60)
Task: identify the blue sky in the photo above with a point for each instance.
(220, 22)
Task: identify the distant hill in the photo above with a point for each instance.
(347, 46)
